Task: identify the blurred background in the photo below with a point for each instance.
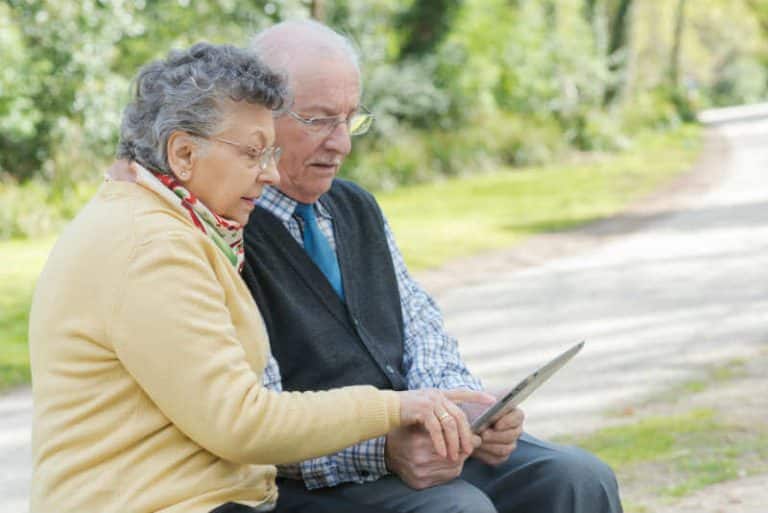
(457, 86)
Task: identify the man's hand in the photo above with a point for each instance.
(410, 454)
(500, 439)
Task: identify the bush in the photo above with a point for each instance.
(35, 209)
(740, 80)
(409, 155)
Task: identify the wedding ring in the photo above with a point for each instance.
(443, 416)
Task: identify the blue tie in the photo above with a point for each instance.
(318, 248)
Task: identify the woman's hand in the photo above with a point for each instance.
(444, 421)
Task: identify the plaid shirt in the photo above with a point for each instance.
(430, 357)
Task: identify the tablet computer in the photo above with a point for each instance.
(523, 389)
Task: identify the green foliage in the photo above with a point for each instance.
(36, 209)
(66, 77)
(741, 80)
(417, 101)
(457, 86)
(71, 63)
(529, 63)
(22, 262)
(424, 25)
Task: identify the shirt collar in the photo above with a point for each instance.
(282, 206)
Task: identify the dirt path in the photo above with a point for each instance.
(748, 495)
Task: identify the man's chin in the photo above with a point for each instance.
(323, 178)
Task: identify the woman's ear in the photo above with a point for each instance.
(182, 152)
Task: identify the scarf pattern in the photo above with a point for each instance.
(226, 235)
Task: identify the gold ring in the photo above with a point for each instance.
(443, 416)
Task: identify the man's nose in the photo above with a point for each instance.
(270, 176)
(339, 139)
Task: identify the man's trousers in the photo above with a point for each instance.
(538, 477)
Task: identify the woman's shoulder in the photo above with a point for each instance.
(121, 218)
(143, 212)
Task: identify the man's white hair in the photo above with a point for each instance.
(282, 43)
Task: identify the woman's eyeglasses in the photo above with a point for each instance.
(258, 156)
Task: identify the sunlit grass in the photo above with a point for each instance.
(678, 454)
(652, 439)
(434, 223)
(710, 377)
(21, 262)
(686, 451)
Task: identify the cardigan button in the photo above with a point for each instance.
(390, 369)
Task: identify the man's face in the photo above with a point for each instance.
(322, 88)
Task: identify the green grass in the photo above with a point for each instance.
(679, 454)
(434, 223)
(711, 376)
(651, 439)
(666, 448)
(21, 263)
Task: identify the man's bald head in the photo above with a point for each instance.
(291, 45)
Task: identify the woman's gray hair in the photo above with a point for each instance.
(185, 91)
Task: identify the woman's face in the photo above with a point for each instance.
(227, 176)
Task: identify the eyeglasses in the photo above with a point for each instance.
(260, 157)
(357, 123)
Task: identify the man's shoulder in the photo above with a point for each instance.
(347, 189)
(348, 185)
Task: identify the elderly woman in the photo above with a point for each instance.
(147, 348)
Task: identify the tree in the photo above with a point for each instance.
(60, 105)
(424, 25)
(618, 49)
(677, 38)
(317, 9)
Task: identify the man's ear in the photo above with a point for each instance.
(183, 150)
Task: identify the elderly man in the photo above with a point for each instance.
(341, 309)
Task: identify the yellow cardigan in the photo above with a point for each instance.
(147, 355)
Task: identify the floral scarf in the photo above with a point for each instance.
(226, 234)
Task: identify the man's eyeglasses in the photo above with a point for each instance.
(260, 157)
(357, 123)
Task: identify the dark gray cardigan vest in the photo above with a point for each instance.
(319, 341)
